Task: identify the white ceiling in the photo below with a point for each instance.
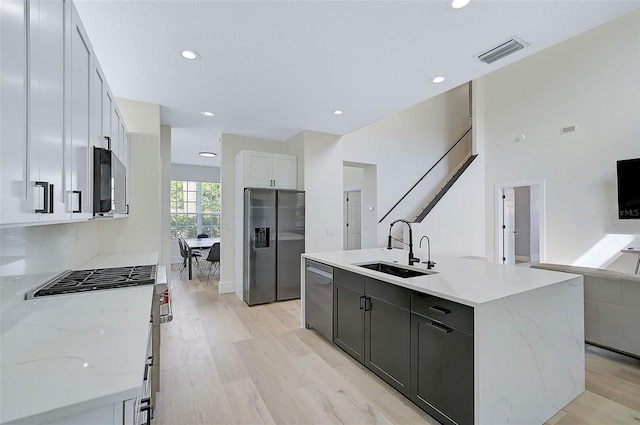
(272, 68)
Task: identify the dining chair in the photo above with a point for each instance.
(184, 253)
(203, 251)
(214, 259)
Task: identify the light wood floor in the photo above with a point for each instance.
(226, 363)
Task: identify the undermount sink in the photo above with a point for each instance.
(395, 270)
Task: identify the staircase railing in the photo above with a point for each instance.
(425, 174)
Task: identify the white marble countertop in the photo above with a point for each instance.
(466, 281)
(70, 353)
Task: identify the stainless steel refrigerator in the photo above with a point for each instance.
(273, 241)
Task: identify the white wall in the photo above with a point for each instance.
(353, 178)
(454, 226)
(165, 197)
(323, 191)
(403, 147)
(590, 81)
(195, 173)
(142, 230)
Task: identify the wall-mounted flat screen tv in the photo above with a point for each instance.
(629, 189)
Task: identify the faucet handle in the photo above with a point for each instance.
(431, 264)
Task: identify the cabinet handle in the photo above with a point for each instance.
(108, 139)
(363, 302)
(367, 304)
(79, 193)
(46, 207)
(438, 326)
(439, 309)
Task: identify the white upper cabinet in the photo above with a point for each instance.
(285, 171)
(56, 106)
(269, 170)
(46, 116)
(32, 144)
(79, 174)
(16, 194)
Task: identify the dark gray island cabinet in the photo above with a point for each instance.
(472, 343)
(372, 323)
(442, 358)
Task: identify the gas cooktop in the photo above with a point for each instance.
(74, 281)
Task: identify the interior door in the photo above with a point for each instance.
(352, 219)
(509, 226)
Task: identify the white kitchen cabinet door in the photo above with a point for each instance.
(46, 107)
(16, 194)
(285, 171)
(121, 146)
(79, 170)
(125, 161)
(115, 130)
(96, 122)
(123, 413)
(107, 111)
(258, 168)
(269, 170)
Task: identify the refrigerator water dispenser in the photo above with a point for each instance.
(261, 237)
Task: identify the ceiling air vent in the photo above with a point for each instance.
(502, 50)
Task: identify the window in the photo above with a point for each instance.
(195, 209)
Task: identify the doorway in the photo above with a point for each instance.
(520, 223)
(360, 180)
(352, 220)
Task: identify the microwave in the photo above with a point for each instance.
(109, 184)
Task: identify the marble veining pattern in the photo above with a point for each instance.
(65, 351)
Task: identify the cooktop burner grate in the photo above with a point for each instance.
(93, 280)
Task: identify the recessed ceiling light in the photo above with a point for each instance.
(459, 4)
(337, 112)
(190, 55)
(208, 113)
(438, 79)
(208, 154)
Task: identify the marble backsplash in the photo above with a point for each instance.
(48, 248)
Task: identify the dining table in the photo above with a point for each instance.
(198, 243)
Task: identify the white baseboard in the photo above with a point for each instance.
(523, 258)
(535, 258)
(226, 287)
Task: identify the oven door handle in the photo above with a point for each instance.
(165, 318)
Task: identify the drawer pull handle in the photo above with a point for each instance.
(440, 327)
(439, 309)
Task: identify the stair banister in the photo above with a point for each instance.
(425, 174)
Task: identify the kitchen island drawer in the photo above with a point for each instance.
(448, 312)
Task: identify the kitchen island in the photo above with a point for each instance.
(521, 331)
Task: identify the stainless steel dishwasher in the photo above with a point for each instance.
(319, 298)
